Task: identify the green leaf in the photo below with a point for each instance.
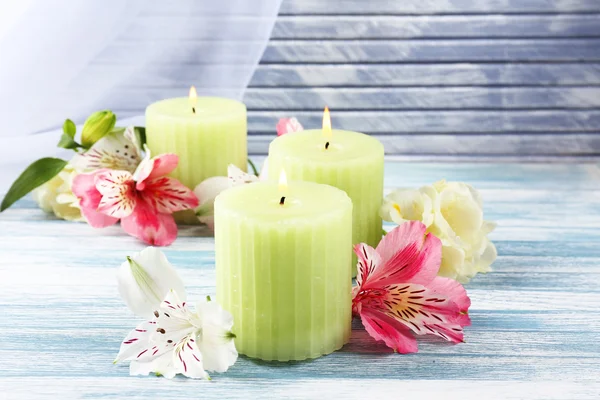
(141, 132)
(69, 128)
(38, 173)
(67, 142)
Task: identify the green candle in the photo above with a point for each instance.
(282, 268)
(207, 133)
(350, 161)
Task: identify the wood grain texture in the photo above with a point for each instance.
(329, 7)
(449, 73)
(439, 121)
(515, 145)
(535, 319)
(434, 26)
(302, 99)
(374, 75)
(374, 27)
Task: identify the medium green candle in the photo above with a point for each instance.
(350, 161)
(282, 268)
(207, 133)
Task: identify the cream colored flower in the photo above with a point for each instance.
(57, 197)
(452, 211)
(410, 205)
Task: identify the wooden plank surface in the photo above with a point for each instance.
(333, 7)
(535, 319)
(372, 27)
(451, 73)
(440, 121)
(434, 26)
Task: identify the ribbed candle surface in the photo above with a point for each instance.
(206, 141)
(353, 162)
(282, 271)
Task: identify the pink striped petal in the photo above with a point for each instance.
(149, 226)
(393, 333)
(168, 195)
(424, 311)
(118, 193)
(288, 125)
(368, 262)
(84, 187)
(453, 290)
(409, 256)
(156, 167)
(402, 236)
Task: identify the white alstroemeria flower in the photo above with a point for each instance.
(117, 150)
(178, 341)
(145, 279)
(209, 189)
(410, 205)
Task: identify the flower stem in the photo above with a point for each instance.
(383, 232)
(253, 167)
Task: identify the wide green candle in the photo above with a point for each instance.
(350, 161)
(282, 269)
(207, 134)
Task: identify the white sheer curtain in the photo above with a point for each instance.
(65, 59)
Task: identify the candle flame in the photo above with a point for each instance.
(193, 97)
(282, 182)
(326, 124)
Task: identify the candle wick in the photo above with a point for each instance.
(326, 145)
(194, 110)
(282, 201)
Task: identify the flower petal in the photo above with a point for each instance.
(393, 333)
(216, 340)
(263, 176)
(408, 256)
(84, 187)
(146, 224)
(162, 365)
(145, 280)
(168, 195)
(288, 125)
(139, 346)
(206, 192)
(451, 289)
(173, 315)
(368, 261)
(114, 151)
(424, 311)
(238, 177)
(119, 197)
(187, 359)
(410, 205)
(154, 168)
(402, 236)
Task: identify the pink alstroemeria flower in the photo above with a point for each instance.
(143, 201)
(398, 290)
(288, 125)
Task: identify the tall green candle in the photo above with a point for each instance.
(282, 268)
(207, 133)
(350, 161)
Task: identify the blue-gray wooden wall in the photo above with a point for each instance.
(483, 77)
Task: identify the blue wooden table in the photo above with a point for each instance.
(536, 318)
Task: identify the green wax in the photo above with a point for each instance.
(282, 270)
(353, 162)
(206, 141)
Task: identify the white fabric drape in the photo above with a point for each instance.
(65, 59)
